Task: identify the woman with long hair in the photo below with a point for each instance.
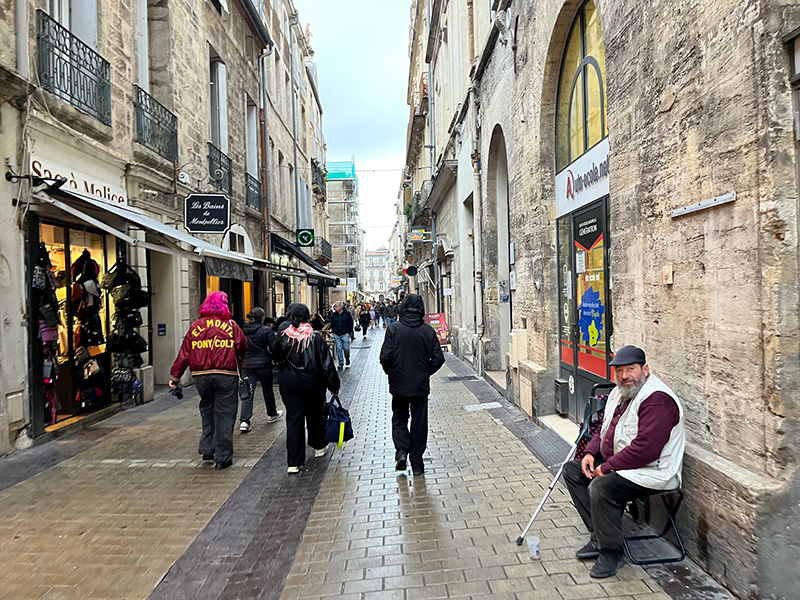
(364, 319)
(212, 349)
(306, 370)
(257, 366)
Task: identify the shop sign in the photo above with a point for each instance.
(439, 323)
(352, 284)
(105, 185)
(162, 329)
(207, 213)
(583, 181)
(418, 234)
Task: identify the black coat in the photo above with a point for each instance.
(311, 366)
(342, 324)
(411, 352)
(260, 345)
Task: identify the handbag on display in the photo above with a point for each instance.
(122, 294)
(92, 367)
(48, 311)
(338, 428)
(39, 278)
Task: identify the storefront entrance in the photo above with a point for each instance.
(585, 301)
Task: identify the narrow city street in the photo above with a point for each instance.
(128, 510)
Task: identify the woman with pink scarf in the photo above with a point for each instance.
(306, 370)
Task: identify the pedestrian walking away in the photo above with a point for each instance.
(637, 452)
(410, 355)
(211, 350)
(342, 328)
(364, 319)
(257, 366)
(306, 370)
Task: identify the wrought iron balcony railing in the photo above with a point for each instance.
(322, 249)
(254, 198)
(219, 169)
(156, 126)
(318, 178)
(71, 70)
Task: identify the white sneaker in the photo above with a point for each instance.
(293, 470)
(347, 365)
(321, 453)
(273, 419)
(244, 427)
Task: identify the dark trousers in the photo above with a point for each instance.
(600, 503)
(219, 401)
(304, 408)
(414, 442)
(264, 375)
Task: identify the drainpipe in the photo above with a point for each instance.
(435, 262)
(294, 122)
(477, 205)
(267, 194)
(22, 33)
(432, 126)
(471, 26)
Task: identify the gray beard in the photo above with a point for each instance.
(631, 392)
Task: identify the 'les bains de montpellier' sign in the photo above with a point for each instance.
(207, 213)
(584, 180)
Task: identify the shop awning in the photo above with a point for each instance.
(319, 271)
(75, 203)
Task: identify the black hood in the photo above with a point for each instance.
(412, 310)
(250, 327)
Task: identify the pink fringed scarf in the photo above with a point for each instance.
(301, 335)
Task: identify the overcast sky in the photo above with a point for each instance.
(361, 51)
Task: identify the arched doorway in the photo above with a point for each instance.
(582, 186)
(496, 249)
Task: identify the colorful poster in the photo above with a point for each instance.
(439, 323)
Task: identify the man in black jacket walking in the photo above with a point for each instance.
(410, 355)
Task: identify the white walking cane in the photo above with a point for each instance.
(587, 417)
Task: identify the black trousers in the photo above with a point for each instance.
(304, 408)
(219, 401)
(414, 442)
(600, 503)
(253, 376)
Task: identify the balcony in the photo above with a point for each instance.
(318, 178)
(219, 169)
(71, 70)
(253, 196)
(323, 252)
(156, 126)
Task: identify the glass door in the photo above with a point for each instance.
(584, 301)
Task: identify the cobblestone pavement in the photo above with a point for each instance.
(128, 510)
(376, 534)
(109, 522)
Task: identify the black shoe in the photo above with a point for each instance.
(223, 465)
(418, 470)
(208, 456)
(401, 464)
(607, 565)
(588, 551)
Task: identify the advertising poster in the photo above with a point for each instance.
(439, 323)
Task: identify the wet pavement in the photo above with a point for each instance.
(128, 510)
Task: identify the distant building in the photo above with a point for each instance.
(377, 272)
(346, 238)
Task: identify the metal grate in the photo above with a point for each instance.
(254, 198)
(71, 70)
(460, 378)
(156, 126)
(219, 169)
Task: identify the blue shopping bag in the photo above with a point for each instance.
(338, 428)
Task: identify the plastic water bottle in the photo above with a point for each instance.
(533, 547)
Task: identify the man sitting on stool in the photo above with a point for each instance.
(638, 452)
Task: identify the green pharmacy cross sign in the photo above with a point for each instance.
(305, 237)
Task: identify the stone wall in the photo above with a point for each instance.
(683, 127)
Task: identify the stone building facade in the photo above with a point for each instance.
(631, 188)
(138, 104)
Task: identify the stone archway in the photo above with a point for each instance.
(496, 254)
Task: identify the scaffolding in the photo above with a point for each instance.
(344, 226)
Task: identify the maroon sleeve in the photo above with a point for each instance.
(593, 447)
(657, 416)
(180, 364)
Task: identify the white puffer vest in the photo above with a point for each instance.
(664, 473)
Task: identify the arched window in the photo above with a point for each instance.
(581, 105)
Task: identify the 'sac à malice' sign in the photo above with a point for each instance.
(207, 213)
